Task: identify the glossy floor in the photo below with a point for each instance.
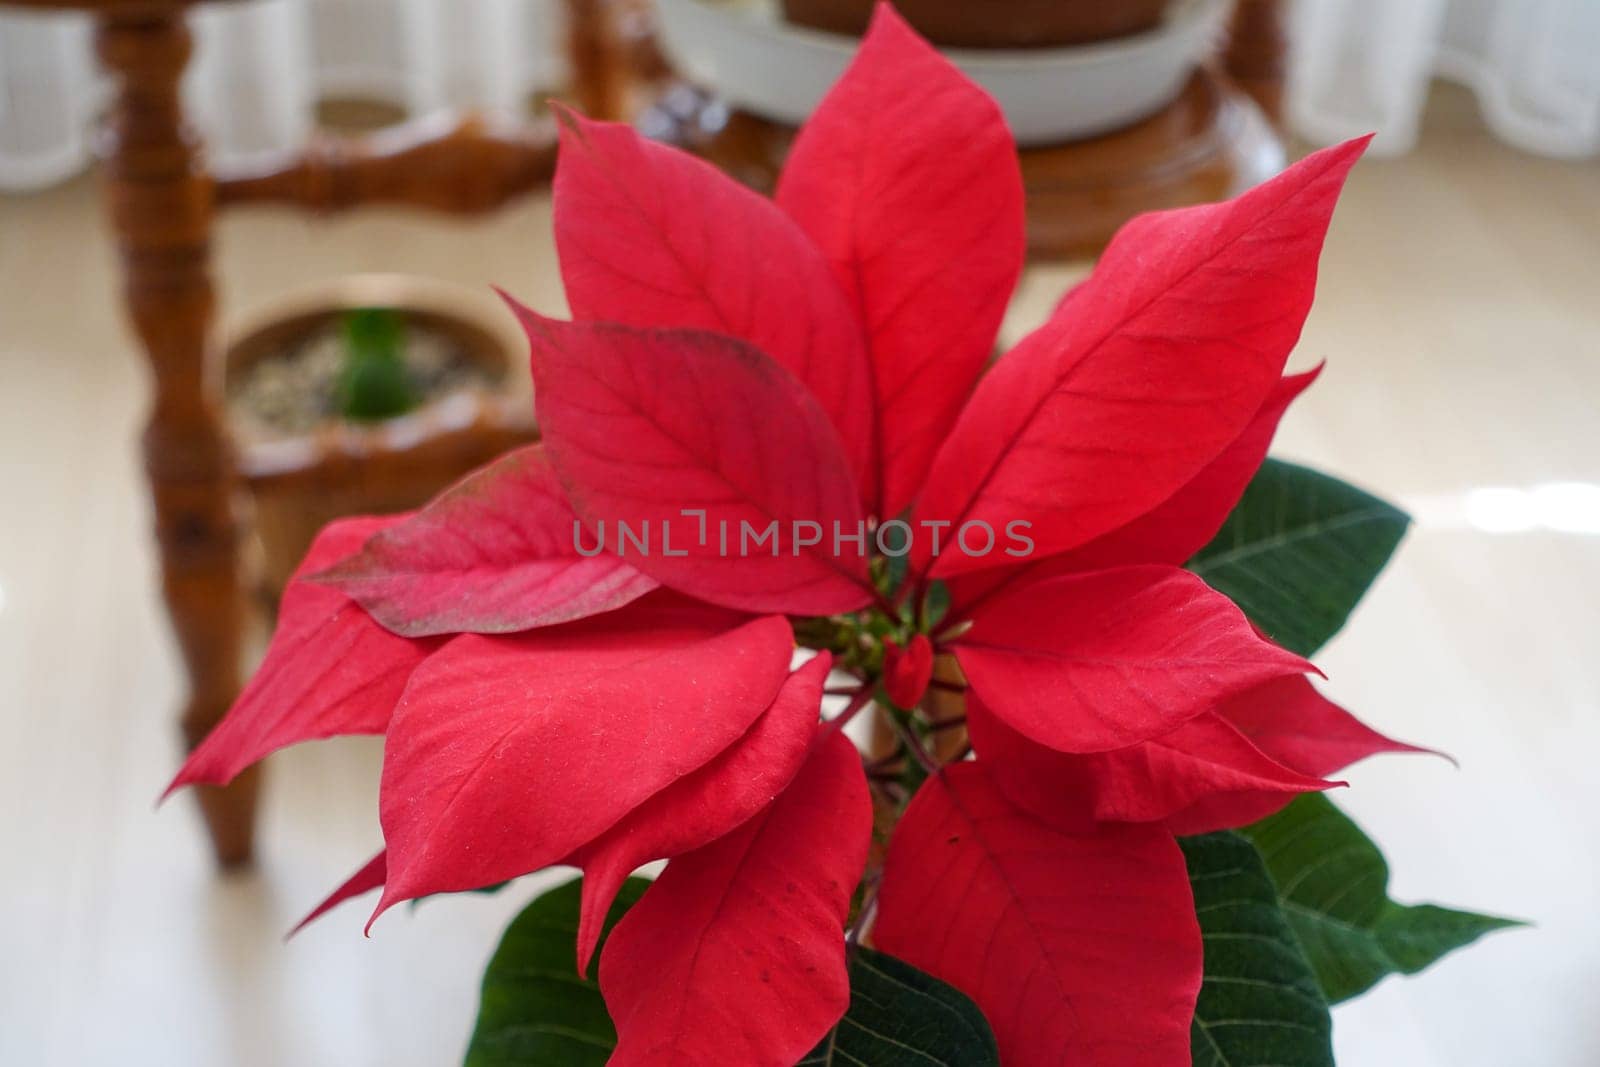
(1460, 317)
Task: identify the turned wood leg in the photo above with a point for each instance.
(595, 53)
(160, 203)
(1257, 55)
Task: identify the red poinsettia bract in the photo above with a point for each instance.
(771, 419)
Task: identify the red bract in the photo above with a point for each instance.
(1097, 661)
(1080, 948)
(907, 671)
(371, 876)
(907, 180)
(703, 806)
(1291, 723)
(653, 238)
(491, 760)
(646, 425)
(330, 670)
(493, 554)
(1160, 780)
(751, 397)
(736, 954)
(1149, 373)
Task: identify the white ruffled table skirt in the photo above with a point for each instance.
(260, 66)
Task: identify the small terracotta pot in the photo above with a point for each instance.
(991, 23)
(300, 482)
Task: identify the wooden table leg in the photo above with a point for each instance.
(1257, 54)
(598, 66)
(160, 200)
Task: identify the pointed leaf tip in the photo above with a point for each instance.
(887, 22)
(1334, 882)
(1291, 721)
(494, 553)
(371, 876)
(530, 320)
(703, 806)
(570, 118)
(1206, 302)
(652, 430)
(1203, 776)
(487, 715)
(907, 178)
(1143, 650)
(652, 237)
(330, 670)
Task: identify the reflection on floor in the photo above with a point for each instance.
(1459, 317)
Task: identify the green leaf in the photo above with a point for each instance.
(1333, 883)
(1259, 1004)
(1299, 551)
(896, 541)
(536, 1009)
(936, 605)
(901, 1017)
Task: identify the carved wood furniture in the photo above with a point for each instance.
(161, 200)
(1257, 53)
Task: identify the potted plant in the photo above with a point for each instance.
(773, 426)
(991, 23)
(366, 396)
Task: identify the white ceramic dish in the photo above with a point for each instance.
(746, 53)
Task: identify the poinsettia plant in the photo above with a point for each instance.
(781, 491)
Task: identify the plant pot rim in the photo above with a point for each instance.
(411, 294)
(757, 62)
(1179, 14)
(489, 338)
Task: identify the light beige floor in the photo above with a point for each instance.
(1460, 315)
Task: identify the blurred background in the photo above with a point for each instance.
(308, 266)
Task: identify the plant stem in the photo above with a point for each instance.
(862, 698)
(908, 737)
(869, 910)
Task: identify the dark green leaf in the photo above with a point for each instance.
(896, 541)
(936, 605)
(901, 1017)
(1259, 1004)
(536, 1009)
(1334, 886)
(1299, 551)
